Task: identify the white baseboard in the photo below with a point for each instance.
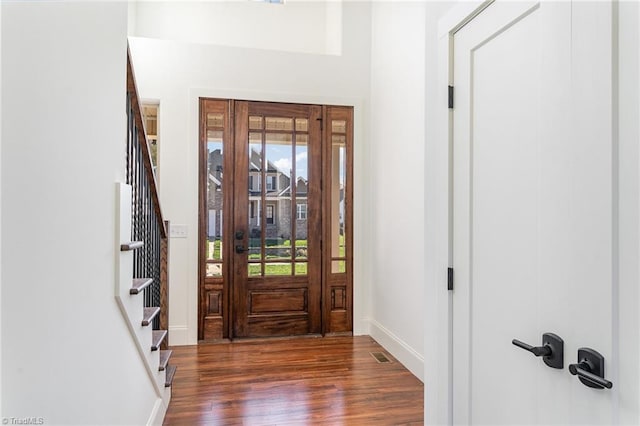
(179, 335)
(400, 350)
(157, 413)
(361, 327)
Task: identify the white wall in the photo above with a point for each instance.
(397, 151)
(295, 26)
(67, 356)
(0, 218)
(177, 73)
(389, 174)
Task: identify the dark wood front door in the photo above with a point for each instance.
(277, 272)
(263, 271)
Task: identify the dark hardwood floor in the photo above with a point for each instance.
(301, 381)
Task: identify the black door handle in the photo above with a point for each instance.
(590, 369)
(536, 350)
(552, 350)
(582, 370)
(241, 249)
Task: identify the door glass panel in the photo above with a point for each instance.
(280, 139)
(302, 125)
(277, 195)
(277, 269)
(338, 126)
(255, 122)
(214, 269)
(213, 249)
(338, 185)
(255, 198)
(338, 266)
(214, 243)
(255, 138)
(302, 163)
(301, 249)
(214, 136)
(301, 268)
(215, 120)
(255, 269)
(278, 123)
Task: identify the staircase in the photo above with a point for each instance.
(143, 244)
(130, 294)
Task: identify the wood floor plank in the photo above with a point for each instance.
(302, 381)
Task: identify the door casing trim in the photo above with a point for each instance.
(440, 402)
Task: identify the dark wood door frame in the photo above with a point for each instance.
(217, 316)
(214, 292)
(337, 286)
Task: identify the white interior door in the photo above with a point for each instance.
(532, 214)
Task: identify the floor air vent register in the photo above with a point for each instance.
(380, 357)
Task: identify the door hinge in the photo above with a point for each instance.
(449, 278)
(450, 97)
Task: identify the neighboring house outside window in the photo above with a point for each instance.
(271, 183)
(255, 183)
(301, 211)
(270, 220)
(278, 199)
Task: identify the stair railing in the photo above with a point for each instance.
(148, 225)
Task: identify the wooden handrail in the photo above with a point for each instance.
(132, 91)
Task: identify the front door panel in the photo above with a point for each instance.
(277, 228)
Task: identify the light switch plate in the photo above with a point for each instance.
(177, 231)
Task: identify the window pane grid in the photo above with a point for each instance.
(338, 187)
(214, 143)
(278, 148)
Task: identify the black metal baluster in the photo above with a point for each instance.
(147, 224)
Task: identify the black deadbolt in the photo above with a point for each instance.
(590, 369)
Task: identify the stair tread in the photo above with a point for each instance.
(164, 359)
(149, 315)
(131, 245)
(140, 284)
(171, 372)
(157, 338)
